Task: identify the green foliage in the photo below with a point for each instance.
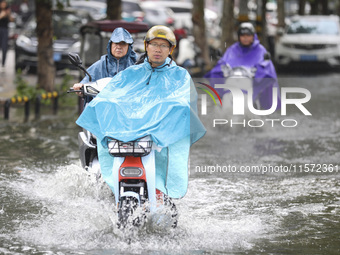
(24, 89)
(64, 86)
(65, 83)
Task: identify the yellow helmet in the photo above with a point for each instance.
(160, 32)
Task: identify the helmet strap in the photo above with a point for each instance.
(170, 56)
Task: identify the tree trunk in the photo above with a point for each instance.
(44, 30)
(314, 4)
(324, 7)
(199, 30)
(114, 9)
(302, 6)
(243, 11)
(281, 13)
(228, 25)
(263, 24)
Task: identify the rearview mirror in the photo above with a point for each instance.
(74, 59)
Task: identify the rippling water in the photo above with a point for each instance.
(49, 205)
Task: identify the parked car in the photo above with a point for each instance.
(66, 25)
(182, 15)
(182, 12)
(132, 11)
(96, 9)
(157, 15)
(310, 39)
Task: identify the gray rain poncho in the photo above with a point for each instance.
(108, 65)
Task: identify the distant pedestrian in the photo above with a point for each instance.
(5, 18)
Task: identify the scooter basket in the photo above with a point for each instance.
(137, 148)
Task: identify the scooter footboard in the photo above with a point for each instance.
(87, 151)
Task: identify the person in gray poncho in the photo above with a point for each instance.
(120, 55)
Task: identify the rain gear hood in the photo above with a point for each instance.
(139, 101)
(121, 35)
(108, 65)
(252, 56)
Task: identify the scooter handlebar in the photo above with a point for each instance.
(71, 90)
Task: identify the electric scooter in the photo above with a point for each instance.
(243, 78)
(133, 170)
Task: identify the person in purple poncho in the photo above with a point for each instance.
(248, 52)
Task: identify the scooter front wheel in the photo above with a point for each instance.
(126, 212)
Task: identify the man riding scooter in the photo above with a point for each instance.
(155, 98)
(249, 53)
(120, 55)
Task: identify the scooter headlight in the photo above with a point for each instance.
(91, 90)
(131, 172)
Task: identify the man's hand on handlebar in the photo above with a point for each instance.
(78, 86)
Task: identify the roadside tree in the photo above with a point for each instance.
(44, 30)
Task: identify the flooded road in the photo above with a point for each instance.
(266, 190)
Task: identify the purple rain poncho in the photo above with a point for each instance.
(265, 77)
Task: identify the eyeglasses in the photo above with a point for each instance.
(161, 46)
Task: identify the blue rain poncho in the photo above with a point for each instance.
(139, 101)
(265, 77)
(108, 65)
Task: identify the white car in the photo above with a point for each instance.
(131, 10)
(181, 10)
(96, 9)
(310, 39)
(157, 15)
